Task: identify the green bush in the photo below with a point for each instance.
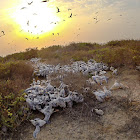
(14, 78)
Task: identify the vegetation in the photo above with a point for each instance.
(14, 77)
(16, 74)
(116, 53)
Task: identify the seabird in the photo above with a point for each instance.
(99, 112)
(58, 10)
(45, 0)
(28, 22)
(109, 19)
(71, 15)
(3, 32)
(30, 3)
(23, 8)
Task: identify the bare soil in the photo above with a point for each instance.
(120, 121)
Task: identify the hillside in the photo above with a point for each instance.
(121, 110)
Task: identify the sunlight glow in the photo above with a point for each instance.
(36, 18)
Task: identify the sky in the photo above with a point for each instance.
(33, 23)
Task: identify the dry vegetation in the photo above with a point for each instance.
(117, 53)
(16, 75)
(14, 78)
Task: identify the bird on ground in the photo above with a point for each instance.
(99, 112)
(69, 9)
(115, 72)
(107, 92)
(112, 68)
(26, 38)
(118, 85)
(58, 33)
(52, 33)
(37, 130)
(100, 95)
(37, 123)
(138, 68)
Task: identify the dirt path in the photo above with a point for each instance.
(120, 120)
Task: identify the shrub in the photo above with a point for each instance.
(14, 78)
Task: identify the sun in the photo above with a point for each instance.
(36, 17)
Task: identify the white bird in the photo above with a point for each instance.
(100, 95)
(102, 72)
(107, 92)
(138, 68)
(118, 85)
(112, 68)
(99, 112)
(99, 79)
(37, 123)
(115, 72)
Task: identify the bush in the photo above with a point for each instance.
(14, 78)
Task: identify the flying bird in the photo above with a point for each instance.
(58, 10)
(23, 8)
(30, 3)
(71, 15)
(95, 18)
(45, 0)
(34, 14)
(3, 32)
(97, 21)
(109, 19)
(28, 22)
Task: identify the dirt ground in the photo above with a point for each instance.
(120, 121)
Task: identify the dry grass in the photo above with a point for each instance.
(116, 53)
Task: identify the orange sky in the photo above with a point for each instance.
(92, 21)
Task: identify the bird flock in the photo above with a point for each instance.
(44, 97)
